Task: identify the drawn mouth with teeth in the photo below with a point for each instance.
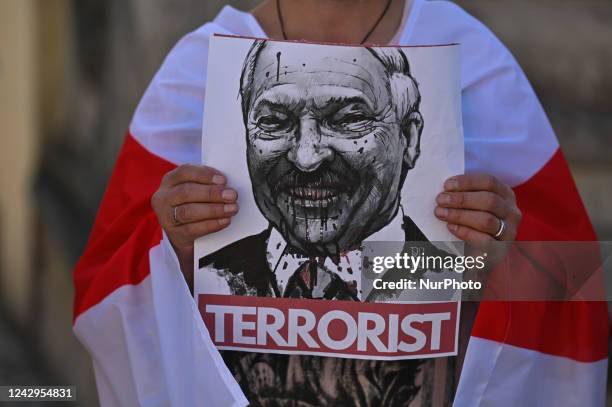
(313, 201)
(313, 196)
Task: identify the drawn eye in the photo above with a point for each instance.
(352, 119)
(355, 122)
(275, 123)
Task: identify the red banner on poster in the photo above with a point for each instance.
(347, 329)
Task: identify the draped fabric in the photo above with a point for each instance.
(135, 315)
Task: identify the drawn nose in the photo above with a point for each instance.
(309, 150)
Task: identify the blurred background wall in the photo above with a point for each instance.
(72, 72)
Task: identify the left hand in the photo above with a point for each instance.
(473, 205)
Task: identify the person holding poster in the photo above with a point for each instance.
(133, 307)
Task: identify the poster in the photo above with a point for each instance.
(328, 147)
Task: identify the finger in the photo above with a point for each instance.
(477, 182)
(196, 212)
(194, 173)
(198, 229)
(478, 220)
(480, 201)
(190, 192)
(468, 234)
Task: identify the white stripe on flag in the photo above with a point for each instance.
(496, 374)
(151, 348)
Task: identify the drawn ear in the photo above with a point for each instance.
(412, 127)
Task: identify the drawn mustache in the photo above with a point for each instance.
(328, 180)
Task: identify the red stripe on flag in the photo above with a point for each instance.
(576, 330)
(552, 211)
(125, 228)
(551, 205)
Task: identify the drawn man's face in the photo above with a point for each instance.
(326, 150)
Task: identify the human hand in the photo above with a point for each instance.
(477, 207)
(193, 201)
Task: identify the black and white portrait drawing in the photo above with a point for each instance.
(329, 138)
(328, 146)
(329, 142)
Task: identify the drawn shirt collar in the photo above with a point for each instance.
(284, 264)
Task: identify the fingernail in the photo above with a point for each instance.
(452, 227)
(444, 199)
(229, 195)
(218, 179)
(230, 208)
(441, 212)
(224, 221)
(451, 185)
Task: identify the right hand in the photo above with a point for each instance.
(204, 205)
